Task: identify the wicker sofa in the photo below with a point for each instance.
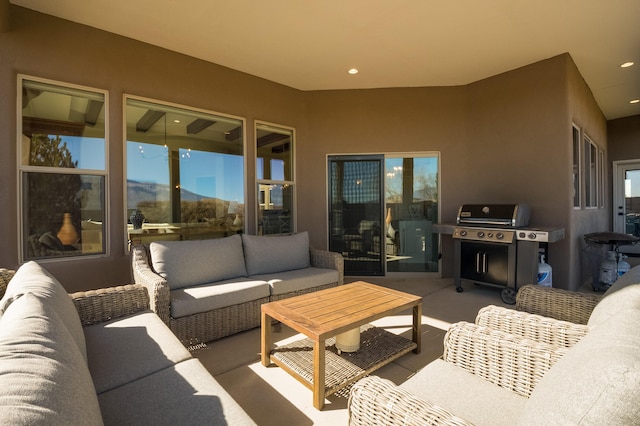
(97, 357)
(208, 289)
(513, 368)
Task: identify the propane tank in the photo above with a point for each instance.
(608, 269)
(623, 265)
(544, 273)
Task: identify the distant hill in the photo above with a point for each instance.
(144, 192)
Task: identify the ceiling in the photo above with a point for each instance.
(310, 45)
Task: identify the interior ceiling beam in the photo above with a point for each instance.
(233, 134)
(93, 112)
(198, 125)
(148, 120)
(271, 138)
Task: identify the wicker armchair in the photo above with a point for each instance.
(565, 305)
(507, 361)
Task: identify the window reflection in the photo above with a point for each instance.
(185, 173)
(62, 170)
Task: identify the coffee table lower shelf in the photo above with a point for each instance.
(378, 347)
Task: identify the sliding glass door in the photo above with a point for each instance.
(356, 209)
(382, 210)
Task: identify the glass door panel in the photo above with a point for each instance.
(626, 215)
(356, 212)
(411, 195)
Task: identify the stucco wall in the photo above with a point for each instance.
(503, 139)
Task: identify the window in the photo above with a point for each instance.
(590, 173)
(185, 172)
(62, 169)
(275, 182)
(576, 167)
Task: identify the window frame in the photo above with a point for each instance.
(180, 107)
(591, 179)
(577, 178)
(291, 182)
(23, 169)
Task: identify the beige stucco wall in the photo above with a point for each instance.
(503, 139)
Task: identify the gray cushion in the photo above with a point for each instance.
(187, 263)
(185, 394)
(466, 395)
(43, 376)
(129, 348)
(597, 382)
(266, 254)
(627, 296)
(33, 278)
(299, 279)
(203, 298)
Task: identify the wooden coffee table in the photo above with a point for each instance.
(321, 316)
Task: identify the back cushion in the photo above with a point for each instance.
(43, 376)
(267, 254)
(33, 278)
(188, 263)
(627, 296)
(596, 382)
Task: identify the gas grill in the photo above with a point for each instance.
(494, 247)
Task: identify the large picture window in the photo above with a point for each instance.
(185, 172)
(275, 183)
(62, 169)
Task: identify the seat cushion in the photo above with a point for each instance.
(44, 378)
(129, 348)
(298, 279)
(33, 278)
(184, 394)
(465, 395)
(204, 298)
(267, 254)
(597, 382)
(188, 263)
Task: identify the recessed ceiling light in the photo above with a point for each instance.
(626, 64)
(634, 101)
(176, 121)
(353, 71)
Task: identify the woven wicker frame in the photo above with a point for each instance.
(557, 303)
(374, 401)
(531, 326)
(96, 306)
(509, 361)
(5, 277)
(212, 325)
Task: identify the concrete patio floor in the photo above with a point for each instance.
(273, 397)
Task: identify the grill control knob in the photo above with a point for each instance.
(532, 236)
(499, 235)
(522, 234)
(480, 234)
(490, 235)
(463, 232)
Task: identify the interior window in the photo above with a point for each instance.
(62, 171)
(275, 183)
(185, 173)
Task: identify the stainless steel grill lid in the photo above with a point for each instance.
(503, 215)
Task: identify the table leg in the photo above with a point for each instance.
(318, 374)
(417, 327)
(265, 339)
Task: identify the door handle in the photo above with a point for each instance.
(484, 263)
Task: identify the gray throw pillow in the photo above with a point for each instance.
(268, 254)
